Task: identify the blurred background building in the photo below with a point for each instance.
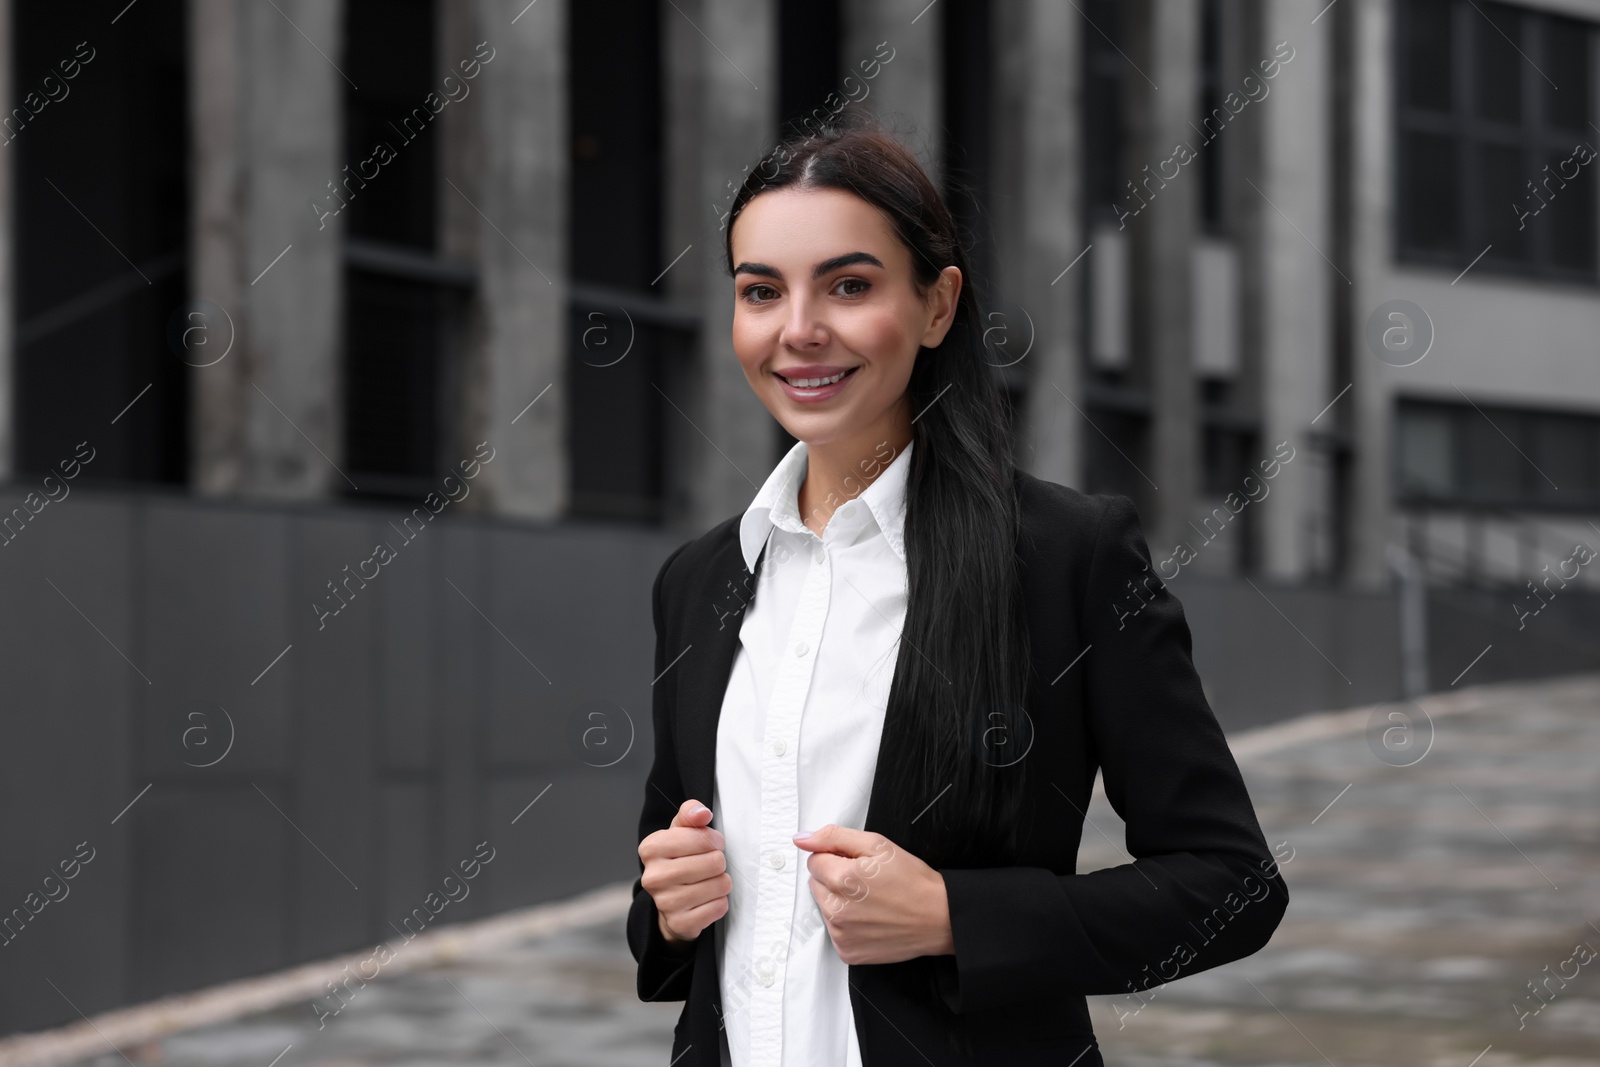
(1315, 284)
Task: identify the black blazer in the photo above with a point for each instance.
(1032, 938)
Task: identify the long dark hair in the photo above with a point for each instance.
(961, 677)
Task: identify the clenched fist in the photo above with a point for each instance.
(686, 874)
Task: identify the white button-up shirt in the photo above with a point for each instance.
(797, 747)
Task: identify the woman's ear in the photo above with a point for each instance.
(942, 303)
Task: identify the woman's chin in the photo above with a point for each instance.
(818, 429)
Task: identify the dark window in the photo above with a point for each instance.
(1425, 79)
(809, 67)
(1116, 449)
(1228, 439)
(968, 174)
(98, 133)
(625, 339)
(1425, 447)
(1495, 152)
(968, 148)
(1211, 94)
(1572, 242)
(1496, 456)
(1496, 63)
(1428, 193)
(1490, 470)
(1102, 111)
(393, 312)
(1567, 450)
(1566, 61)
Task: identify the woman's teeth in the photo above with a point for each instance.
(813, 383)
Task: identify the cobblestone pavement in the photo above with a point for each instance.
(1422, 902)
(566, 1000)
(1425, 898)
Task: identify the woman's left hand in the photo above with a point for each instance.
(881, 903)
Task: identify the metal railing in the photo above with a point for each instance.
(1470, 562)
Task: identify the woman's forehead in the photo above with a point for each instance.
(808, 226)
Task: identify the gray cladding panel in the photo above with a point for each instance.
(592, 815)
(394, 737)
(565, 608)
(214, 613)
(333, 670)
(212, 875)
(67, 709)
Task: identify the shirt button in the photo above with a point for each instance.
(820, 555)
(776, 860)
(801, 649)
(765, 979)
(777, 747)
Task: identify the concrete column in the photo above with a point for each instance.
(521, 207)
(1371, 224)
(267, 273)
(722, 114)
(268, 416)
(1038, 221)
(7, 308)
(908, 93)
(1285, 234)
(216, 251)
(1164, 49)
(463, 370)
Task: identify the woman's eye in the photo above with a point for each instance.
(752, 292)
(862, 282)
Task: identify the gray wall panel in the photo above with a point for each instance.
(213, 613)
(579, 835)
(408, 677)
(408, 730)
(410, 864)
(1260, 666)
(332, 795)
(209, 886)
(67, 706)
(549, 608)
(462, 642)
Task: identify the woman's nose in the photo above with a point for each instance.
(804, 328)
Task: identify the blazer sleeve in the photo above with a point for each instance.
(664, 969)
(1203, 889)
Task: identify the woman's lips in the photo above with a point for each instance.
(817, 394)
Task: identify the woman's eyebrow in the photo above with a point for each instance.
(825, 267)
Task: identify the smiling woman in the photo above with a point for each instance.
(908, 706)
(864, 309)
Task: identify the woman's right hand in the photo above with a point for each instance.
(685, 873)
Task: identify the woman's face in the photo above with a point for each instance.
(822, 286)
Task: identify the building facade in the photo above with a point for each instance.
(332, 246)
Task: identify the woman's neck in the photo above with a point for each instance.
(838, 471)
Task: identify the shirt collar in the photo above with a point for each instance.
(776, 504)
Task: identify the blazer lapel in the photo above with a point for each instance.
(727, 588)
(883, 815)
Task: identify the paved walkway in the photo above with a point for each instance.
(1424, 897)
(1421, 902)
